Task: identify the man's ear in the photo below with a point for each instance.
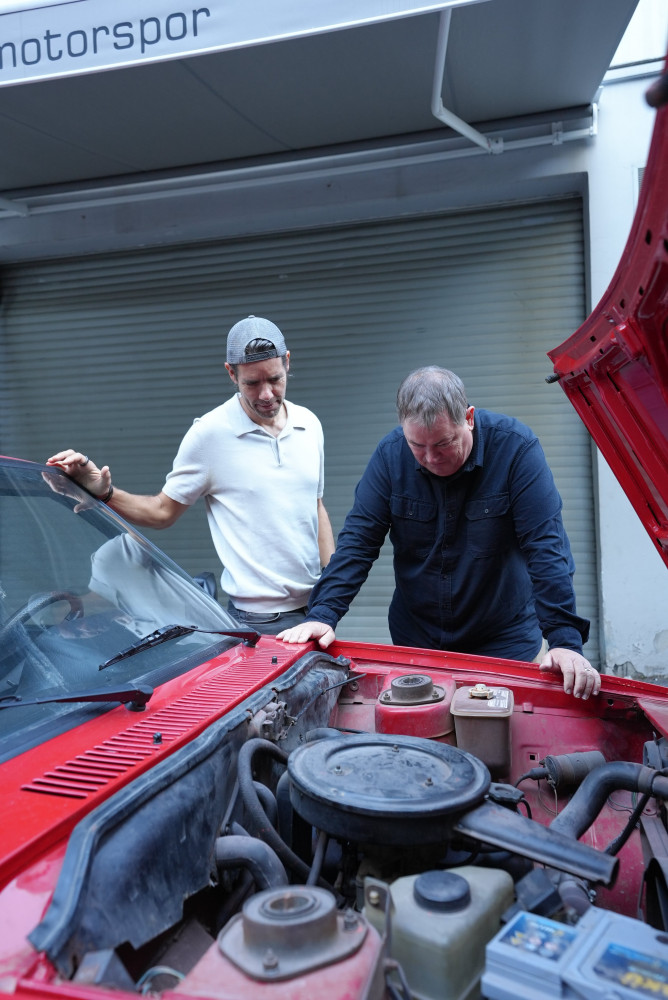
(230, 372)
(287, 361)
(469, 416)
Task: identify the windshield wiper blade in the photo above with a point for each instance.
(137, 696)
(167, 632)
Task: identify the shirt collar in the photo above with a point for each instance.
(478, 449)
(242, 423)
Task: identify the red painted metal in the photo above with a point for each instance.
(113, 749)
(352, 979)
(430, 721)
(614, 368)
(545, 721)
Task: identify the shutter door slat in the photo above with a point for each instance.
(117, 354)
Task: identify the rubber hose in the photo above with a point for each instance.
(318, 858)
(265, 830)
(589, 799)
(238, 851)
(268, 800)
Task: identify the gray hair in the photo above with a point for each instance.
(427, 393)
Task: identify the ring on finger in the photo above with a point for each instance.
(85, 460)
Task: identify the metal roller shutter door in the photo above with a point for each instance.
(117, 354)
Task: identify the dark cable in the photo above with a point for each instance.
(536, 773)
(616, 845)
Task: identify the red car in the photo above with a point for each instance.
(194, 811)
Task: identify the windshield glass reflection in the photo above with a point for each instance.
(75, 588)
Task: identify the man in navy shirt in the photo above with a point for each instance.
(482, 562)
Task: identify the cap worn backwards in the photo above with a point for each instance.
(254, 328)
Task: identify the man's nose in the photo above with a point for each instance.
(267, 391)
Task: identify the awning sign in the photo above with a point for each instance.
(85, 36)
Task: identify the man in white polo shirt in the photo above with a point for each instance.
(258, 460)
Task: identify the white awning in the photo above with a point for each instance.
(47, 40)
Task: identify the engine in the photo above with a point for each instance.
(338, 837)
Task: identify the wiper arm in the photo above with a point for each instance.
(137, 696)
(167, 632)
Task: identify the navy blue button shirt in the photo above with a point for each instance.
(482, 562)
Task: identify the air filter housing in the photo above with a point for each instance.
(395, 790)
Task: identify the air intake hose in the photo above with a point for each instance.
(590, 797)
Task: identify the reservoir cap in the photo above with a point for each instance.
(442, 891)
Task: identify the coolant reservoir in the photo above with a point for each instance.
(440, 924)
(482, 725)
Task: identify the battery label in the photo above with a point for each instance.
(642, 974)
(539, 936)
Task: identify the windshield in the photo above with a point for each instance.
(76, 587)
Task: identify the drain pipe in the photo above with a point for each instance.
(437, 109)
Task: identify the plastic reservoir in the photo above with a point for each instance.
(482, 725)
(440, 923)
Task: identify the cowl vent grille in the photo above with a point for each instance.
(153, 736)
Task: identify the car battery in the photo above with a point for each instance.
(605, 955)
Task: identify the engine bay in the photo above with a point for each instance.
(372, 828)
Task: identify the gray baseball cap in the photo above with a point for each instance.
(254, 328)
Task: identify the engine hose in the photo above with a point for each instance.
(268, 800)
(284, 808)
(318, 858)
(265, 830)
(589, 799)
(235, 899)
(239, 851)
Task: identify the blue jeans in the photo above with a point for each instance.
(268, 622)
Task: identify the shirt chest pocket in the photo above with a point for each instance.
(489, 524)
(413, 523)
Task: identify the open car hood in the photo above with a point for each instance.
(614, 368)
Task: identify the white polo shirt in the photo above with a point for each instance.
(261, 493)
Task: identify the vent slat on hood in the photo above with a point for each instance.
(107, 762)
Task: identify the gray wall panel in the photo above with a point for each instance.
(116, 355)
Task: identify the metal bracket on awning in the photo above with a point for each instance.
(437, 108)
(556, 136)
(9, 207)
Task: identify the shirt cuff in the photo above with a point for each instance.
(565, 638)
(320, 613)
